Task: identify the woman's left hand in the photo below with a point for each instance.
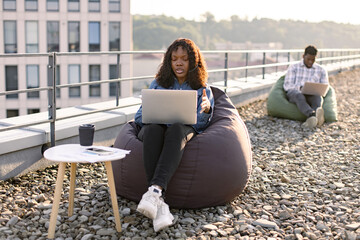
(205, 104)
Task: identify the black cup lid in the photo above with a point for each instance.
(87, 125)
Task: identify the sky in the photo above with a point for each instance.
(344, 11)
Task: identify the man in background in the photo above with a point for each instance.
(297, 74)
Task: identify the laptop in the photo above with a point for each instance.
(169, 106)
(312, 88)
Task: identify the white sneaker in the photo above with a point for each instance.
(163, 217)
(149, 203)
(320, 116)
(310, 122)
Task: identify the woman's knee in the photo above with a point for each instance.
(180, 131)
(176, 128)
(153, 130)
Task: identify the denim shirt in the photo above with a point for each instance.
(203, 119)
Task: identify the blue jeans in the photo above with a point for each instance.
(307, 104)
(163, 147)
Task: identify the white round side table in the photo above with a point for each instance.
(73, 154)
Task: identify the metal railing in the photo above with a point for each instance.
(291, 56)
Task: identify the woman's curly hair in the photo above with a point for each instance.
(196, 76)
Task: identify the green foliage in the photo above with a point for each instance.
(158, 32)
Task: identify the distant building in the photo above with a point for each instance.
(41, 26)
(239, 59)
(250, 46)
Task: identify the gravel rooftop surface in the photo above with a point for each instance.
(305, 184)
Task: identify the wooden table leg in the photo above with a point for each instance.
(56, 201)
(72, 189)
(114, 201)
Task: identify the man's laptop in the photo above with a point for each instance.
(312, 88)
(169, 106)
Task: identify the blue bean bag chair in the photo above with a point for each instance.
(214, 169)
(279, 106)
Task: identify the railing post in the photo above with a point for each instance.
(277, 61)
(321, 57)
(341, 54)
(226, 72)
(263, 68)
(246, 64)
(117, 76)
(353, 60)
(288, 57)
(52, 96)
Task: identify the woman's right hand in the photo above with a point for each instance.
(205, 104)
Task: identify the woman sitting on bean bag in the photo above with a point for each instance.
(183, 68)
(211, 163)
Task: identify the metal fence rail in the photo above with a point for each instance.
(324, 56)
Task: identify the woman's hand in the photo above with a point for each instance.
(205, 104)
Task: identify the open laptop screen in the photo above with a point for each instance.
(169, 106)
(312, 88)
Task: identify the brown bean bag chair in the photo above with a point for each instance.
(214, 169)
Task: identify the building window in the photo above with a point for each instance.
(32, 42)
(113, 74)
(11, 81)
(74, 77)
(33, 110)
(52, 5)
(9, 5)
(10, 43)
(114, 5)
(94, 36)
(12, 113)
(31, 5)
(53, 36)
(94, 75)
(94, 5)
(73, 6)
(32, 80)
(74, 36)
(114, 36)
